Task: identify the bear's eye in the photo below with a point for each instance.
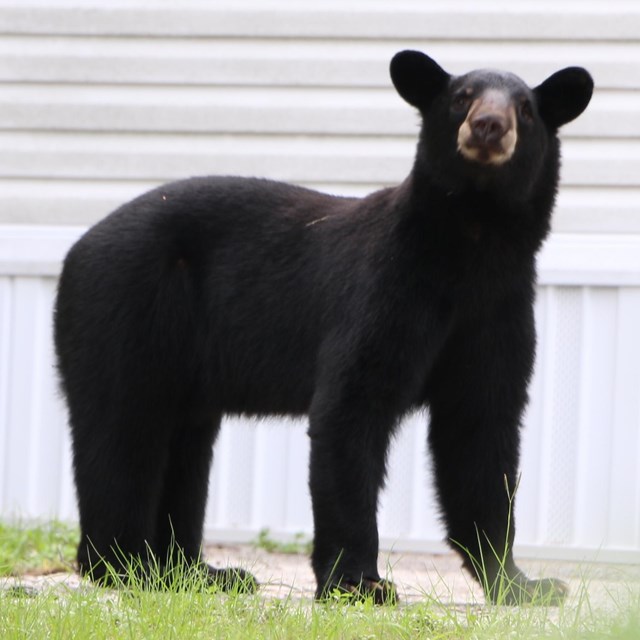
(462, 101)
(526, 110)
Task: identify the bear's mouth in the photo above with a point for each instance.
(488, 134)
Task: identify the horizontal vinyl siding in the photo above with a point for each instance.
(102, 100)
(364, 19)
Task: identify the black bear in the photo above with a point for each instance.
(227, 295)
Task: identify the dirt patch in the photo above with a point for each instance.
(418, 576)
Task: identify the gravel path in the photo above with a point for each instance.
(421, 576)
(418, 577)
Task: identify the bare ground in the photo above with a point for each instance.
(418, 576)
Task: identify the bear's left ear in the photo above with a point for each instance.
(417, 78)
(564, 96)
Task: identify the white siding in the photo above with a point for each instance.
(102, 99)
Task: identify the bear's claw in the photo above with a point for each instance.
(232, 579)
(381, 592)
(519, 591)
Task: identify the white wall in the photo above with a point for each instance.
(101, 99)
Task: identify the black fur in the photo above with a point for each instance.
(226, 295)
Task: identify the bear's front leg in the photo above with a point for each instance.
(477, 395)
(347, 466)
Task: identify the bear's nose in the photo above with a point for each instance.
(488, 128)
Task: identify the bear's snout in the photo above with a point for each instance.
(488, 135)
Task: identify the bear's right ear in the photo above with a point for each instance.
(417, 78)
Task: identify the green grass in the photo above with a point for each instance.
(90, 613)
(298, 545)
(42, 549)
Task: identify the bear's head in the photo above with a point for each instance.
(488, 130)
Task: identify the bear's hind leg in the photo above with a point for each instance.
(119, 474)
(181, 510)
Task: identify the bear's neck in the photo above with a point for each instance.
(476, 213)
